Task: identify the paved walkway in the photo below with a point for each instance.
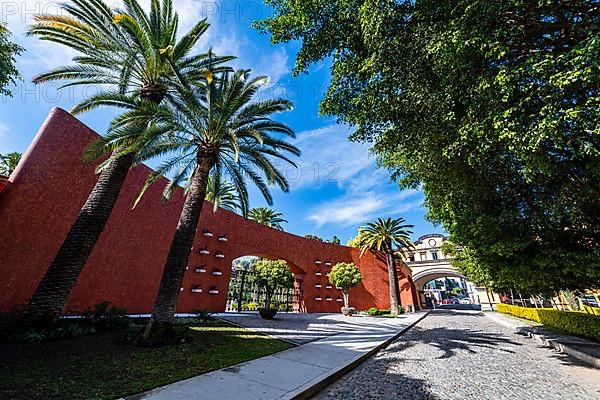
(291, 372)
(464, 355)
(302, 328)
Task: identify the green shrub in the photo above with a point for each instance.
(16, 327)
(103, 316)
(521, 312)
(591, 310)
(373, 311)
(383, 312)
(573, 322)
(204, 315)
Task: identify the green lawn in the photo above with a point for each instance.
(93, 367)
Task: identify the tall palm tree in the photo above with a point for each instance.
(135, 59)
(267, 216)
(383, 235)
(223, 131)
(222, 194)
(8, 162)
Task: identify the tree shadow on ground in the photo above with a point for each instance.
(388, 385)
(466, 337)
(304, 328)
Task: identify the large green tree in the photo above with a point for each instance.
(492, 106)
(8, 54)
(136, 60)
(387, 236)
(224, 130)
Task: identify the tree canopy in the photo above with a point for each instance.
(345, 275)
(8, 53)
(8, 162)
(272, 275)
(492, 107)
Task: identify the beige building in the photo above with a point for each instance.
(429, 263)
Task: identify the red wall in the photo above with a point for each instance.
(49, 187)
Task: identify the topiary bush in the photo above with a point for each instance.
(346, 276)
(573, 322)
(272, 275)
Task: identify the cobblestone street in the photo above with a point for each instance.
(465, 355)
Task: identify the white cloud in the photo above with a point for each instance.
(356, 208)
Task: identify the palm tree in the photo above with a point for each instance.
(220, 130)
(382, 235)
(136, 60)
(222, 194)
(267, 216)
(8, 162)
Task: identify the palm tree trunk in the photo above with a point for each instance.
(393, 278)
(163, 313)
(50, 298)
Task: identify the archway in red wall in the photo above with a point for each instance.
(245, 294)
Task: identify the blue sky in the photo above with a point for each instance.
(337, 186)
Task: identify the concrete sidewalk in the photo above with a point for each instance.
(581, 349)
(296, 373)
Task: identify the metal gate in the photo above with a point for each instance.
(245, 295)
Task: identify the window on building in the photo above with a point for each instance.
(411, 257)
(423, 256)
(434, 255)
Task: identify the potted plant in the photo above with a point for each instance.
(272, 275)
(345, 276)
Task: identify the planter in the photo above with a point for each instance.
(348, 311)
(267, 313)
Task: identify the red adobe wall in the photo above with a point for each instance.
(50, 185)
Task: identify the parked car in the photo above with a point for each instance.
(454, 300)
(464, 300)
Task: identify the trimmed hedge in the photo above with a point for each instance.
(573, 322)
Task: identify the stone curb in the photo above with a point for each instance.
(550, 342)
(313, 387)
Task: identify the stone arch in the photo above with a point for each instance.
(421, 278)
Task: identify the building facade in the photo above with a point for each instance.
(433, 273)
